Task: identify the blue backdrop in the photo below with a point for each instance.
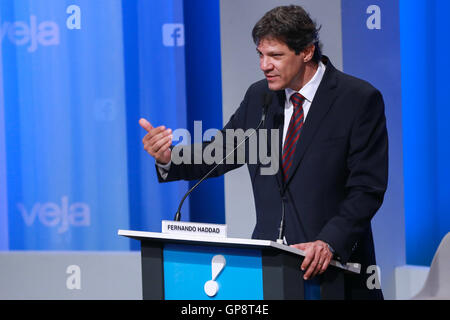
(156, 90)
(425, 89)
(76, 76)
(371, 51)
(64, 115)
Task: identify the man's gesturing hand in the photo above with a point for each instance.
(157, 141)
(317, 257)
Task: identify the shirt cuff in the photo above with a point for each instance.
(163, 169)
(331, 248)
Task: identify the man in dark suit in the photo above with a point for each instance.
(333, 153)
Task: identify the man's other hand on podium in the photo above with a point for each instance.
(317, 257)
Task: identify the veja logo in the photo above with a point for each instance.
(34, 33)
(173, 34)
(21, 33)
(62, 216)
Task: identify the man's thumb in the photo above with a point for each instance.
(145, 124)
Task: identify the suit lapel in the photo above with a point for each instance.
(276, 116)
(323, 99)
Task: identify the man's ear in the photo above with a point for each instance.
(309, 53)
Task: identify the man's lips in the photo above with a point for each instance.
(271, 77)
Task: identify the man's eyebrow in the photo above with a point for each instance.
(270, 53)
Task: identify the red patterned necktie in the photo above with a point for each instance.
(293, 133)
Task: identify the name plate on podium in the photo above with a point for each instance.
(194, 228)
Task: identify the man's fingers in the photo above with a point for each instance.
(151, 146)
(317, 258)
(325, 265)
(312, 266)
(162, 134)
(317, 268)
(157, 147)
(309, 257)
(164, 153)
(156, 134)
(145, 124)
(159, 134)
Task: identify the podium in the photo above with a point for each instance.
(187, 267)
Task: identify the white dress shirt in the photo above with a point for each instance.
(308, 91)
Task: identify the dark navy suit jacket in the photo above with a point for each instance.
(338, 177)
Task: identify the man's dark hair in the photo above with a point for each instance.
(292, 25)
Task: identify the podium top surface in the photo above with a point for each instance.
(228, 242)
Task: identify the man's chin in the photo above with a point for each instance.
(275, 86)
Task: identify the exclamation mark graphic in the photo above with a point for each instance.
(217, 264)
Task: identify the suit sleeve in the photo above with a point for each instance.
(193, 169)
(366, 185)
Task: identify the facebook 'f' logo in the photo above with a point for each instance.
(173, 35)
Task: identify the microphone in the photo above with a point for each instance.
(281, 239)
(267, 103)
(279, 120)
(282, 189)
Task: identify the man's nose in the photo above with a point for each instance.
(265, 64)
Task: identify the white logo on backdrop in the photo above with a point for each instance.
(374, 20)
(74, 20)
(73, 281)
(374, 280)
(34, 33)
(30, 33)
(173, 34)
(211, 287)
(54, 215)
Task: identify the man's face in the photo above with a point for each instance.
(281, 66)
